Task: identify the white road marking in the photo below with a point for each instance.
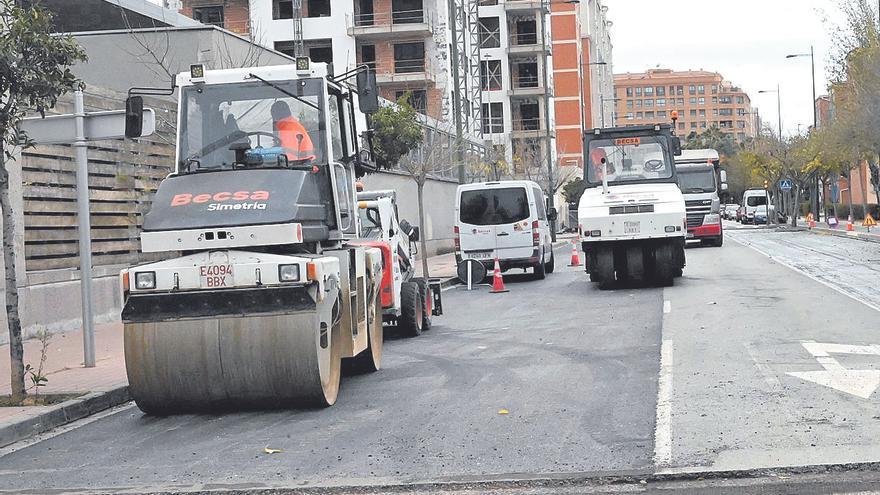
(663, 429)
(667, 307)
(861, 383)
(63, 429)
(802, 272)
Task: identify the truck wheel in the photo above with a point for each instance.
(550, 265)
(604, 267)
(410, 320)
(427, 302)
(370, 359)
(540, 270)
(664, 265)
(715, 241)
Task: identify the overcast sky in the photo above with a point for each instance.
(745, 40)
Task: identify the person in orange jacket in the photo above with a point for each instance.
(291, 133)
(596, 156)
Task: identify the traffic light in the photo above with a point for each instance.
(766, 183)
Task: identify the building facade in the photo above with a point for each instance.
(702, 99)
(583, 88)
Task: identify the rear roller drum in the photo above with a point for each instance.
(664, 265)
(635, 263)
(605, 267)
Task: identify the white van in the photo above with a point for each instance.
(506, 220)
(754, 204)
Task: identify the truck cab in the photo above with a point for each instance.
(701, 183)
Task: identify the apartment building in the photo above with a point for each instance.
(703, 99)
(582, 74)
(516, 80)
(408, 43)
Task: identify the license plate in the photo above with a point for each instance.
(213, 276)
(690, 235)
(480, 255)
(631, 227)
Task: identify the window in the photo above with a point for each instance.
(482, 3)
(702, 125)
(417, 98)
(490, 75)
(680, 90)
(629, 116)
(661, 102)
(409, 57)
(649, 103)
(317, 8)
(526, 32)
(702, 112)
(629, 103)
(693, 125)
(680, 101)
(526, 75)
(493, 118)
(741, 124)
(282, 9)
(725, 111)
(725, 100)
(661, 114)
(702, 100)
(321, 51)
(335, 126)
(701, 89)
(693, 100)
(740, 111)
(638, 91)
(494, 206)
(285, 47)
(638, 103)
(490, 32)
(681, 126)
(693, 113)
(740, 99)
(671, 90)
(406, 11)
(629, 92)
(714, 88)
(661, 91)
(639, 115)
(649, 115)
(649, 91)
(529, 118)
(714, 112)
(368, 55)
(692, 90)
(714, 99)
(209, 15)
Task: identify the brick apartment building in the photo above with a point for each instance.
(703, 99)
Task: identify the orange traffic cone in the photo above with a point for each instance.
(575, 257)
(849, 224)
(497, 281)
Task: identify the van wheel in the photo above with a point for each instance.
(550, 265)
(410, 321)
(540, 271)
(427, 302)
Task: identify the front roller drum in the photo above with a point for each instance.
(288, 360)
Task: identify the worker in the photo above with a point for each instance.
(291, 134)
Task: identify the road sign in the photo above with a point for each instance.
(785, 184)
(57, 129)
(869, 222)
(835, 192)
(861, 383)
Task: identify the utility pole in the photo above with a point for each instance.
(545, 10)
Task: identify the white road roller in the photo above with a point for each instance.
(632, 214)
(269, 289)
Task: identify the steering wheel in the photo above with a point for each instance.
(653, 165)
(276, 141)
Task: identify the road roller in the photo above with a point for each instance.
(264, 284)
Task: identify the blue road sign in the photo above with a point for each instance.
(785, 184)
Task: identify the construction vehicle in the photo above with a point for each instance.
(632, 214)
(407, 301)
(701, 181)
(270, 289)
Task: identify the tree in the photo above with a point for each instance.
(34, 73)
(712, 138)
(397, 131)
(573, 190)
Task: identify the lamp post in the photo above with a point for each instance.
(602, 101)
(815, 117)
(778, 107)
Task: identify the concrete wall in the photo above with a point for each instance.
(439, 206)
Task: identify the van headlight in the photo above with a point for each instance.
(288, 273)
(145, 280)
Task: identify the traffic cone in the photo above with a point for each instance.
(497, 281)
(849, 224)
(575, 257)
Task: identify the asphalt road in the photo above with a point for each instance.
(723, 371)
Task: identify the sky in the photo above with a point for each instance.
(744, 40)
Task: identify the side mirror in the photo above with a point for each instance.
(368, 95)
(552, 214)
(406, 227)
(414, 234)
(676, 145)
(134, 116)
(724, 186)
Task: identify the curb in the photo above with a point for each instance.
(63, 413)
(453, 281)
(860, 236)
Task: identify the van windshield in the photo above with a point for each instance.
(756, 200)
(494, 206)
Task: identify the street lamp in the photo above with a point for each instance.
(778, 107)
(602, 101)
(815, 114)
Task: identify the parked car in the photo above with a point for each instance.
(729, 211)
(507, 221)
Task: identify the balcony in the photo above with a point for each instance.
(526, 44)
(525, 128)
(523, 5)
(390, 25)
(526, 85)
(406, 72)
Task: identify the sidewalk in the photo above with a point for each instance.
(858, 231)
(105, 384)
